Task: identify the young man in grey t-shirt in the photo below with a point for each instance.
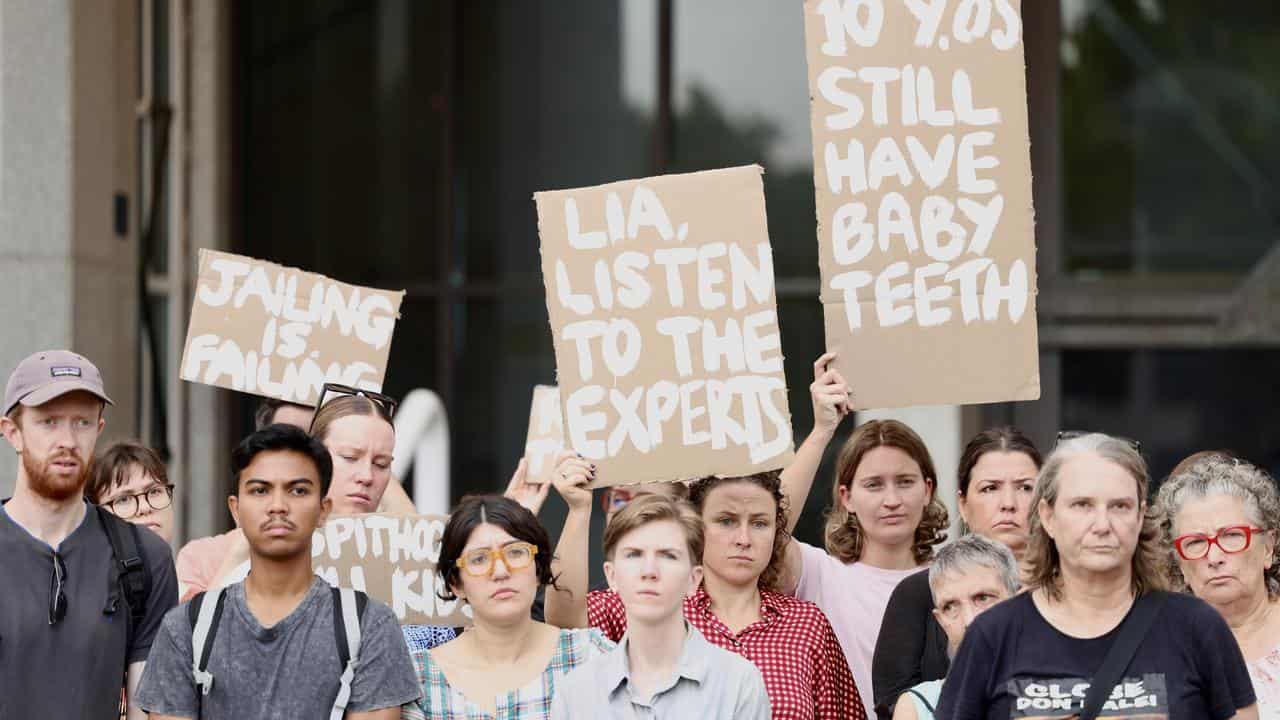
(275, 652)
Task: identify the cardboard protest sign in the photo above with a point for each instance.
(546, 430)
(393, 559)
(266, 329)
(922, 172)
(661, 298)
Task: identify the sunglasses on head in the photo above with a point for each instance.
(385, 404)
(1064, 435)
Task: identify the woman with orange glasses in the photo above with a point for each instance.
(494, 556)
(1220, 516)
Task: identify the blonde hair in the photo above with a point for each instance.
(1044, 564)
(1213, 475)
(339, 408)
(844, 537)
(656, 508)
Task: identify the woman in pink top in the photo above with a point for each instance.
(883, 524)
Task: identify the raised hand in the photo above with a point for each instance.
(573, 476)
(832, 396)
(529, 494)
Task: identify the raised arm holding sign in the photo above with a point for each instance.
(661, 298)
(923, 178)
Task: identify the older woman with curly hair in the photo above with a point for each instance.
(884, 521)
(1220, 517)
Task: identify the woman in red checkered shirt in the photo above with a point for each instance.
(738, 606)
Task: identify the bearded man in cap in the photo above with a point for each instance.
(82, 597)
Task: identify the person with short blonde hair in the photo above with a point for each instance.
(656, 508)
(1221, 517)
(663, 666)
(1096, 565)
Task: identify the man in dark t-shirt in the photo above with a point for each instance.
(65, 636)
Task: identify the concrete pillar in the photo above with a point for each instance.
(205, 130)
(67, 147)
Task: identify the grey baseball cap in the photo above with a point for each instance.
(51, 374)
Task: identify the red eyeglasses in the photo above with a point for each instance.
(1230, 540)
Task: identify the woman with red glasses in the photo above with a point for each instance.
(1221, 515)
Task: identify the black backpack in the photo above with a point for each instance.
(132, 582)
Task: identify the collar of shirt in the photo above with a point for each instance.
(694, 662)
(771, 603)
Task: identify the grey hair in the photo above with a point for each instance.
(1150, 566)
(970, 550)
(1214, 476)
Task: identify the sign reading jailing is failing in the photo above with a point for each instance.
(923, 181)
(661, 298)
(265, 329)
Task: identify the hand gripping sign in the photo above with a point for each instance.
(661, 298)
(923, 178)
(265, 329)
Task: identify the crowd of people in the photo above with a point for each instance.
(1072, 591)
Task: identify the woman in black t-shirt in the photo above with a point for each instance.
(1093, 551)
(996, 476)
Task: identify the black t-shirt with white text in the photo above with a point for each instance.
(1014, 665)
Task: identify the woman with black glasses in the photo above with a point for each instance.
(130, 481)
(1220, 517)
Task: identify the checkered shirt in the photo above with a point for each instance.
(425, 637)
(804, 669)
(442, 701)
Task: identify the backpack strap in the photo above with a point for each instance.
(348, 609)
(204, 612)
(133, 576)
(1132, 631)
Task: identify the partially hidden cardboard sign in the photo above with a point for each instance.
(393, 559)
(668, 354)
(546, 430)
(922, 174)
(266, 329)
